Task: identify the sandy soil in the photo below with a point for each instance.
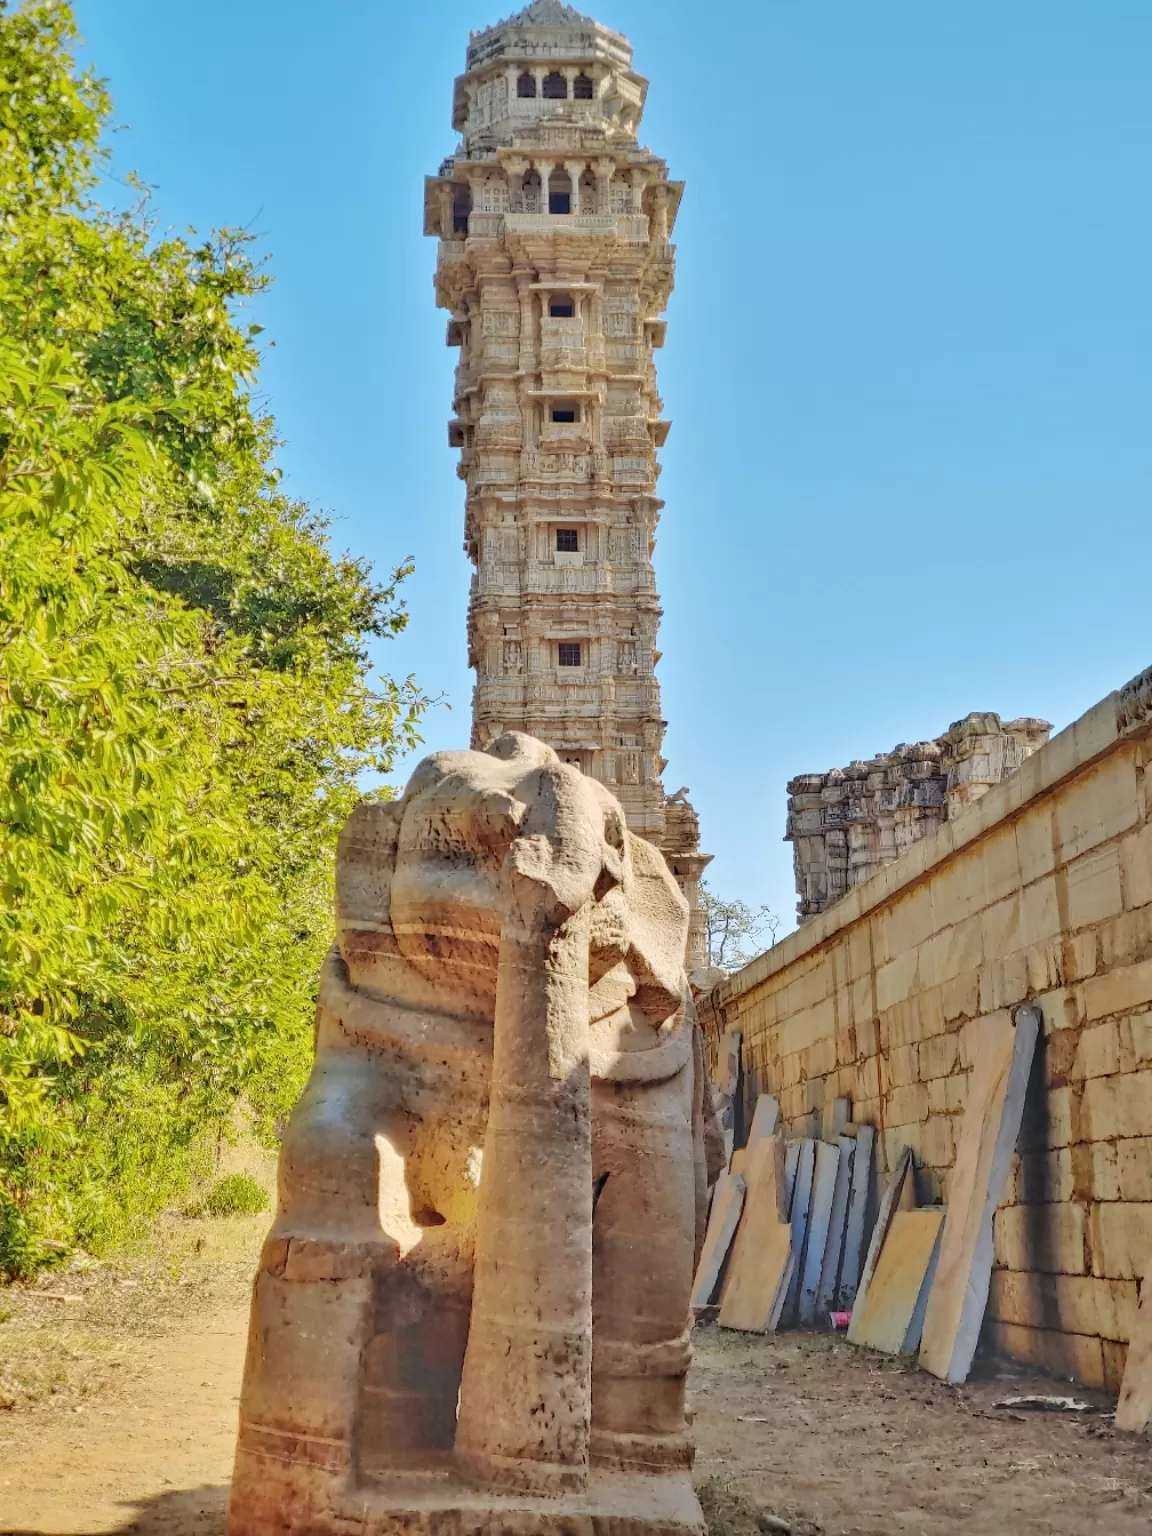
(122, 1407)
(852, 1443)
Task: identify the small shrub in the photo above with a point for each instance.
(236, 1194)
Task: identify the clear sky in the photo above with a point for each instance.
(908, 358)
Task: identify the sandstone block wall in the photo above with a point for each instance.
(1041, 892)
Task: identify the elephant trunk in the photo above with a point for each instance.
(525, 1397)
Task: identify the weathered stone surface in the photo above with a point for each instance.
(1134, 1410)
(505, 1045)
(988, 1136)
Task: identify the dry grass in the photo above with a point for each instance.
(730, 1513)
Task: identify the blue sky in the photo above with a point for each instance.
(908, 358)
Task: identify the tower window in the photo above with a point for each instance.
(569, 653)
(582, 88)
(563, 413)
(561, 308)
(567, 541)
(559, 194)
(555, 87)
(526, 85)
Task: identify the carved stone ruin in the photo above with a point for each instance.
(472, 1312)
(847, 824)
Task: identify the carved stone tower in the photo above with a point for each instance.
(554, 264)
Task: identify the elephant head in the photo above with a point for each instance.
(482, 841)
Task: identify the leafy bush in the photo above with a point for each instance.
(186, 701)
(236, 1194)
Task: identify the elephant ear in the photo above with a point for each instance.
(562, 857)
(657, 931)
(365, 863)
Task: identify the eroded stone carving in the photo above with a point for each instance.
(847, 824)
(493, 1188)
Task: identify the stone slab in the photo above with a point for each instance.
(836, 1118)
(837, 1228)
(791, 1158)
(761, 1265)
(438, 1503)
(857, 1211)
(827, 1166)
(765, 1118)
(1134, 1410)
(723, 1219)
(1001, 1047)
(883, 1318)
(800, 1206)
(889, 1203)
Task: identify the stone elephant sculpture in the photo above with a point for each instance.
(492, 1191)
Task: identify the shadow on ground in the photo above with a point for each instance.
(182, 1512)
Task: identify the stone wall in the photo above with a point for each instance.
(846, 824)
(1042, 892)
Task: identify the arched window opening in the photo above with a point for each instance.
(561, 306)
(559, 194)
(555, 87)
(582, 88)
(526, 85)
(461, 208)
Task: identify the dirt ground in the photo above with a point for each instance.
(119, 1384)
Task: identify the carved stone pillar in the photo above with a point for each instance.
(660, 214)
(516, 166)
(446, 225)
(639, 182)
(575, 169)
(604, 169)
(527, 359)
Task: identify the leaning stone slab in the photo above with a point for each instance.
(1002, 1049)
(727, 1205)
(1134, 1410)
(888, 1207)
(885, 1319)
(762, 1261)
(857, 1210)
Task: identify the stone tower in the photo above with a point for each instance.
(555, 264)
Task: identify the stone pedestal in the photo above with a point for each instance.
(435, 1502)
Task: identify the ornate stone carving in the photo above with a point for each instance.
(847, 824)
(1134, 706)
(559, 411)
(441, 1339)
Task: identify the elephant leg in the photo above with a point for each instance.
(312, 1308)
(359, 1314)
(642, 1258)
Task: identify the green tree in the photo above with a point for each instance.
(187, 704)
(736, 932)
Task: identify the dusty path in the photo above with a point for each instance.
(123, 1409)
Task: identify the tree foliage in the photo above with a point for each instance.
(187, 703)
(736, 932)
